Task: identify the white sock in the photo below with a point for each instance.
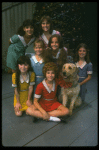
(54, 118)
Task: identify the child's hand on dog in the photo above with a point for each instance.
(68, 84)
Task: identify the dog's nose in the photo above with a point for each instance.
(64, 73)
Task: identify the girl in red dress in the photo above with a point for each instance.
(45, 104)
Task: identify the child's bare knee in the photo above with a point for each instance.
(29, 110)
(18, 113)
(67, 111)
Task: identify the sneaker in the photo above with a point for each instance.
(56, 119)
(63, 121)
(35, 119)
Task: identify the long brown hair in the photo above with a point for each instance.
(49, 21)
(22, 60)
(76, 58)
(59, 38)
(62, 59)
(27, 22)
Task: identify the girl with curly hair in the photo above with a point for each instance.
(45, 104)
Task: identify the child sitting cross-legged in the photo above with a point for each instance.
(45, 104)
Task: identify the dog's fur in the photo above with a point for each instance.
(69, 73)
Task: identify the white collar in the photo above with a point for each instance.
(35, 60)
(27, 79)
(45, 38)
(23, 41)
(82, 65)
(45, 85)
(57, 54)
(31, 41)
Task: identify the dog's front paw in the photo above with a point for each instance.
(70, 112)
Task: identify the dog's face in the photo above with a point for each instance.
(69, 70)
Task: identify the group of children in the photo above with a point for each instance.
(36, 79)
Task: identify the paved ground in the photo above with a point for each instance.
(81, 128)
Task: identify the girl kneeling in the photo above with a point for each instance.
(23, 81)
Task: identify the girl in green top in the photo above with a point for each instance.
(19, 42)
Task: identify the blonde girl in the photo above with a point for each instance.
(37, 61)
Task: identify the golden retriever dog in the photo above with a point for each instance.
(69, 74)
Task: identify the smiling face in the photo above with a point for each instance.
(54, 43)
(28, 30)
(50, 75)
(23, 67)
(82, 52)
(45, 26)
(38, 49)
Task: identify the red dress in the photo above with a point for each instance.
(47, 98)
